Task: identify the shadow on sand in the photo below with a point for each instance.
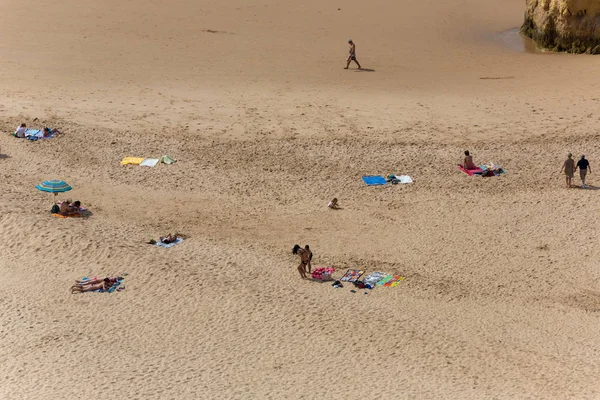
(4, 156)
(587, 187)
(364, 70)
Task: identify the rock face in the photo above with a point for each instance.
(564, 25)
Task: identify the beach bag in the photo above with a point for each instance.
(55, 209)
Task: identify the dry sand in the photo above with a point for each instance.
(502, 292)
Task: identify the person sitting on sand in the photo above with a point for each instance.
(468, 161)
(169, 239)
(47, 131)
(569, 168)
(305, 258)
(65, 207)
(94, 284)
(20, 132)
(333, 204)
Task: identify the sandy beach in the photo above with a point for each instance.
(501, 296)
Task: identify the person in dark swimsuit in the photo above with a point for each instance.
(305, 257)
(352, 56)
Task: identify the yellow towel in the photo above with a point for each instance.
(132, 160)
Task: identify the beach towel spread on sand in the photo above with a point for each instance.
(167, 245)
(374, 180)
(470, 172)
(492, 169)
(167, 160)
(149, 162)
(395, 281)
(115, 286)
(352, 275)
(322, 273)
(132, 160)
(384, 280)
(373, 278)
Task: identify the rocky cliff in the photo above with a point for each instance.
(564, 25)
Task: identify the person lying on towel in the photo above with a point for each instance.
(94, 284)
(170, 238)
(69, 209)
(47, 131)
(468, 161)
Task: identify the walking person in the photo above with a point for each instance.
(584, 167)
(569, 168)
(352, 56)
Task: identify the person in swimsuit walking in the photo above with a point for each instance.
(352, 56)
(305, 258)
(569, 168)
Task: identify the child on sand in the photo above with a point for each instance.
(333, 204)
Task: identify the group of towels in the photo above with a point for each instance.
(373, 180)
(353, 276)
(147, 162)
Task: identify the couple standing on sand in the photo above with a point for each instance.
(305, 258)
(570, 167)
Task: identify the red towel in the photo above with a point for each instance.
(470, 172)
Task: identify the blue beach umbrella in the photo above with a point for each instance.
(54, 186)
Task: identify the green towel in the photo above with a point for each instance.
(167, 160)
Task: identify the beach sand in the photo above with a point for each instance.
(502, 292)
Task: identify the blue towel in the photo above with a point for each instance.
(374, 180)
(33, 132)
(165, 245)
(36, 134)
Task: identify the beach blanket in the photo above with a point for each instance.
(322, 273)
(395, 281)
(67, 216)
(36, 134)
(384, 280)
(374, 180)
(491, 167)
(115, 286)
(132, 160)
(373, 278)
(402, 179)
(167, 245)
(352, 275)
(167, 160)
(470, 172)
(149, 162)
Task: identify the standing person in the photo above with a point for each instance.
(307, 250)
(305, 256)
(583, 166)
(569, 168)
(352, 56)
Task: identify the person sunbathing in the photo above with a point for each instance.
(169, 239)
(94, 284)
(110, 279)
(75, 207)
(468, 161)
(65, 207)
(47, 132)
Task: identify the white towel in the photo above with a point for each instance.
(149, 162)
